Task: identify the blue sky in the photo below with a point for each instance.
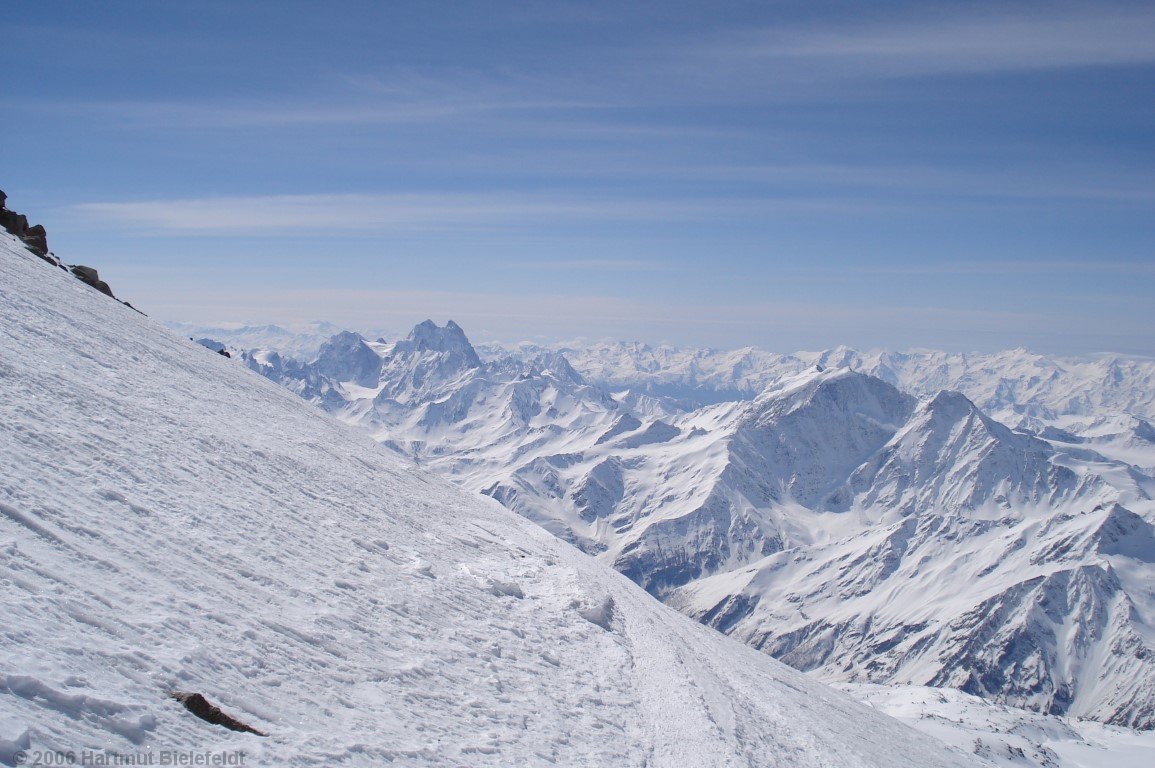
(961, 175)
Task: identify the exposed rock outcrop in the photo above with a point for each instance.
(89, 276)
(35, 238)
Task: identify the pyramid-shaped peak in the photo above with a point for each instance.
(952, 407)
(557, 364)
(949, 408)
(949, 401)
(1125, 533)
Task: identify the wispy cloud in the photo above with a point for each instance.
(1020, 267)
(594, 96)
(378, 213)
(291, 214)
(289, 113)
(389, 98)
(978, 40)
(1056, 182)
(606, 265)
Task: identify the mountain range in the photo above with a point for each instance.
(977, 522)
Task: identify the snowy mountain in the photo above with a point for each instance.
(431, 397)
(169, 521)
(1009, 383)
(683, 378)
(856, 529)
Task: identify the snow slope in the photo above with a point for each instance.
(169, 520)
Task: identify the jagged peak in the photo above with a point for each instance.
(427, 336)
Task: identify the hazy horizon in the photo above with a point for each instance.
(486, 339)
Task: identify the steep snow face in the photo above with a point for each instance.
(814, 430)
(714, 503)
(951, 457)
(1039, 609)
(168, 520)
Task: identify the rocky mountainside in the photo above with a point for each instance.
(845, 519)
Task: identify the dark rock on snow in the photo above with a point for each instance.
(211, 713)
(17, 224)
(90, 276)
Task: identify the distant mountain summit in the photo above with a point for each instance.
(450, 340)
(347, 358)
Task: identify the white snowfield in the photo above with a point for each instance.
(171, 521)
